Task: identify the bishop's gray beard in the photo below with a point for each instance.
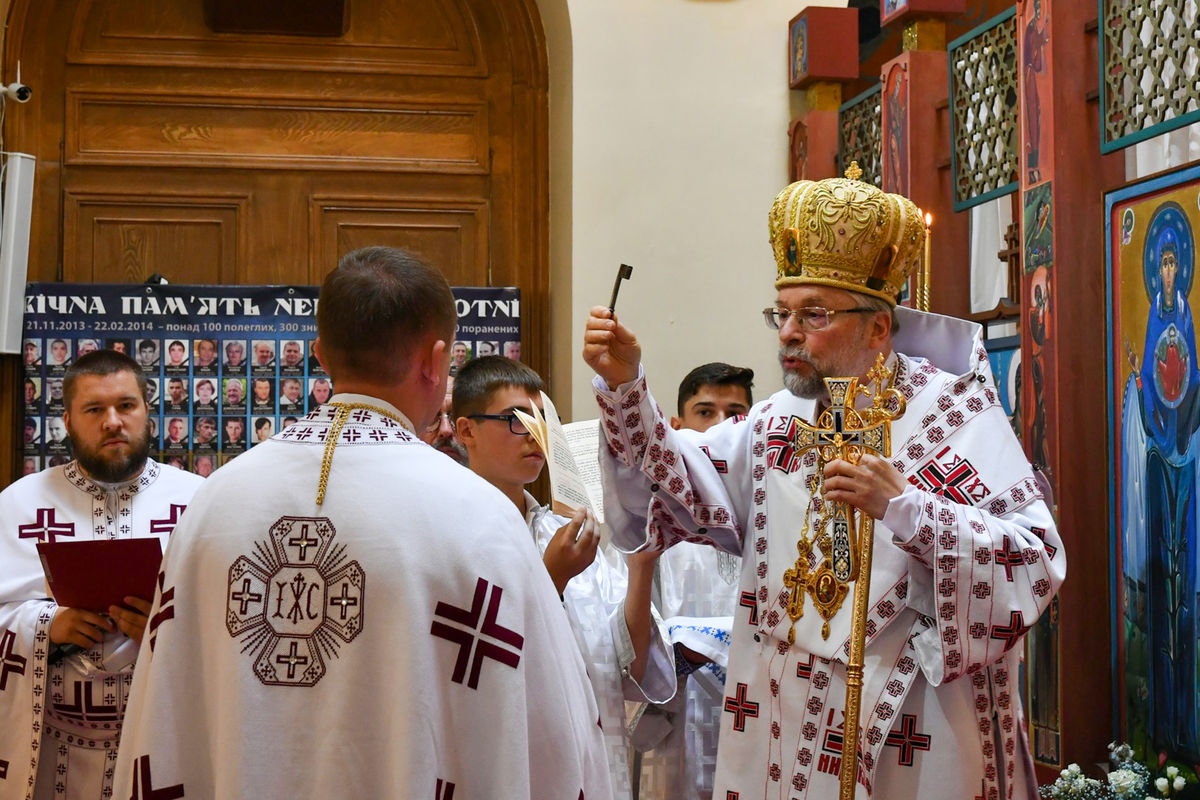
(809, 387)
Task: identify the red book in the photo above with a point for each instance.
(99, 574)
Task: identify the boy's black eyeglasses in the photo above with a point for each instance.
(514, 424)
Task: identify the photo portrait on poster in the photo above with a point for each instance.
(226, 367)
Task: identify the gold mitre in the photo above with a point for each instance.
(845, 233)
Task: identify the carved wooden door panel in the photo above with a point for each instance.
(253, 158)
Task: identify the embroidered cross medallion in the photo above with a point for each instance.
(295, 600)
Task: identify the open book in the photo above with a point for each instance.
(571, 452)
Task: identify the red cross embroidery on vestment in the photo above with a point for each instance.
(741, 707)
(804, 669)
(1041, 534)
(1009, 559)
(951, 476)
(781, 445)
(1010, 633)
(908, 740)
(166, 609)
(167, 524)
(45, 527)
(721, 467)
(747, 601)
(143, 786)
(9, 661)
(444, 790)
(468, 641)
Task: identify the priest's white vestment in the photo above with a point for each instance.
(595, 604)
(965, 560)
(59, 723)
(402, 639)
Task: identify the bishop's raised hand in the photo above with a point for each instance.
(610, 349)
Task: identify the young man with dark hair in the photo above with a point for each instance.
(235, 434)
(55, 655)
(60, 355)
(712, 393)
(147, 353)
(177, 355)
(177, 397)
(263, 429)
(626, 657)
(414, 618)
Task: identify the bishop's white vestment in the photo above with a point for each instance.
(402, 639)
(965, 560)
(595, 604)
(59, 722)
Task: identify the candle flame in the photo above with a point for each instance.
(928, 220)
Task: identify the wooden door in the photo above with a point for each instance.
(252, 158)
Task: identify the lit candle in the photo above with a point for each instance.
(925, 280)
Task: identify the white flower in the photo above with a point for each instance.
(1172, 772)
(1162, 785)
(1179, 783)
(1123, 781)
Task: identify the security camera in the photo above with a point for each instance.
(16, 90)
(19, 92)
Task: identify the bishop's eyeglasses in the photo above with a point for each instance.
(514, 424)
(810, 318)
(436, 425)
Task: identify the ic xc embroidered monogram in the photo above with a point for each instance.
(292, 602)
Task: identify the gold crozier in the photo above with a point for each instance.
(843, 432)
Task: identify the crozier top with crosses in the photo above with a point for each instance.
(847, 433)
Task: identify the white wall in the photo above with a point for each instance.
(677, 114)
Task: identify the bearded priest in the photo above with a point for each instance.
(65, 673)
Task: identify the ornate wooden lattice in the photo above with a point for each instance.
(984, 111)
(1150, 62)
(860, 135)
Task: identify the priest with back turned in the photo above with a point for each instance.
(345, 612)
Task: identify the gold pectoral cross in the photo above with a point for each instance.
(795, 580)
(842, 432)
